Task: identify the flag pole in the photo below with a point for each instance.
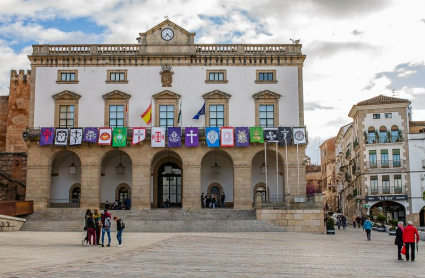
(298, 168)
(287, 169)
(277, 174)
(265, 165)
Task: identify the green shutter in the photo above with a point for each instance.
(397, 151)
(372, 152)
(384, 151)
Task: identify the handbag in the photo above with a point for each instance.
(403, 250)
(85, 228)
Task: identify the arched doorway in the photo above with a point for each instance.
(260, 188)
(217, 189)
(217, 175)
(65, 189)
(392, 210)
(116, 172)
(169, 185)
(122, 192)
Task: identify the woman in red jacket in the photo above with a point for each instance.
(409, 240)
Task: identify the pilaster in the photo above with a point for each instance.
(191, 198)
(242, 187)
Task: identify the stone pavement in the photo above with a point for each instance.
(346, 254)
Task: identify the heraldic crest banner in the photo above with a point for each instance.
(242, 136)
(119, 138)
(270, 134)
(227, 137)
(256, 134)
(47, 136)
(76, 136)
(191, 137)
(174, 137)
(91, 134)
(212, 136)
(61, 137)
(139, 134)
(158, 137)
(105, 136)
(285, 136)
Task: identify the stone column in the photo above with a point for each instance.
(90, 186)
(38, 185)
(242, 187)
(141, 187)
(191, 187)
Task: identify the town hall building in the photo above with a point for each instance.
(165, 81)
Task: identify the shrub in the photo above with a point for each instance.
(381, 218)
(393, 223)
(330, 224)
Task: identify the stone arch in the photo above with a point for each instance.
(71, 189)
(394, 128)
(371, 129)
(383, 129)
(117, 191)
(215, 184)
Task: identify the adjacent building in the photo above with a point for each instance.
(328, 178)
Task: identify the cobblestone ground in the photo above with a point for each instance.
(346, 254)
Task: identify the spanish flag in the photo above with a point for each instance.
(147, 116)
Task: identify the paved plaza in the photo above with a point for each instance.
(346, 254)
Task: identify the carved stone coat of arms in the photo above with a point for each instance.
(166, 76)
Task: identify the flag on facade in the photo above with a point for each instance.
(271, 134)
(47, 136)
(105, 136)
(179, 118)
(90, 134)
(242, 136)
(139, 134)
(299, 135)
(119, 137)
(174, 137)
(256, 134)
(191, 137)
(147, 116)
(227, 137)
(76, 136)
(285, 133)
(158, 137)
(212, 136)
(201, 112)
(61, 137)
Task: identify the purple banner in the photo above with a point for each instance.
(47, 135)
(91, 134)
(174, 137)
(191, 137)
(242, 136)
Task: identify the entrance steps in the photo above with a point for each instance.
(157, 220)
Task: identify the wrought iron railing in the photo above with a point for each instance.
(385, 164)
(381, 190)
(64, 203)
(372, 139)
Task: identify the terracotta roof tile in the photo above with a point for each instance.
(381, 99)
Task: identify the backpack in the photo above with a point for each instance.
(122, 225)
(107, 222)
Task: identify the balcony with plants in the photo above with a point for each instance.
(374, 164)
(390, 190)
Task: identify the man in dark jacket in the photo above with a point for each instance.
(409, 240)
(399, 239)
(106, 227)
(120, 229)
(222, 199)
(202, 200)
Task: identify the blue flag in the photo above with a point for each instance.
(212, 134)
(201, 112)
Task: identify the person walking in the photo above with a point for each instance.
(106, 227)
(91, 230)
(409, 241)
(98, 224)
(368, 228)
(338, 221)
(344, 222)
(214, 201)
(120, 230)
(202, 200)
(358, 219)
(86, 239)
(127, 203)
(354, 220)
(399, 239)
(363, 219)
(222, 199)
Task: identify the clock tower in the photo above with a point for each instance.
(166, 33)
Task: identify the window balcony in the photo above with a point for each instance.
(373, 139)
(386, 190)
(385, 164)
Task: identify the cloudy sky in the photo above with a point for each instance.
(356, 49)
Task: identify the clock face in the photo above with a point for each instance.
(299, 135)
(167, 34)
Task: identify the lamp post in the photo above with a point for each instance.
(120, 169)
(72, 169)
(215, 169)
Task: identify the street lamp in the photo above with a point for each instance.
(215, 169)
(263, 168)
(72, 169)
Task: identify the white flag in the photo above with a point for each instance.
(61, 137)
(299, 135)
(227, 138)
(139, 134)
(158, 137)
(105, 136)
